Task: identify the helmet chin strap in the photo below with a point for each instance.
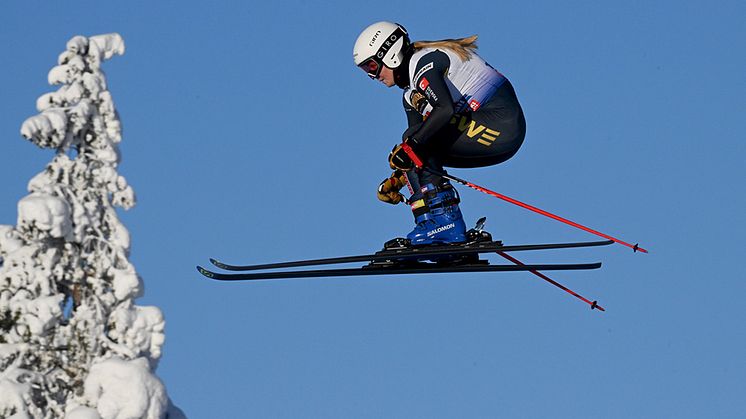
(401, 73)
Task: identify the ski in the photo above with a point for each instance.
(421, 253)
(416, 268)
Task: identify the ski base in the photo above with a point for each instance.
(404, 269)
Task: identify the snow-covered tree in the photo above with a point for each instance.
(73, 343)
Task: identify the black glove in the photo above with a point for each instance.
(403, 157)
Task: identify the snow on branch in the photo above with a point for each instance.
(73, 343)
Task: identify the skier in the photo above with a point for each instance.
(461, 113)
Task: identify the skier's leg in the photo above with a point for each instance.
(434, 204)
(491, 135)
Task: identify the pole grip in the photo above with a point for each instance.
(415, 159)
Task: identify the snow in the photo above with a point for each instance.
(126, 283)
(8, 242)
(11, 394)
(46, 129)
(15, 382)
(67, 288)
(139, 331)
(124, 389)
(40, 313)
(47, 213)
(82, 412)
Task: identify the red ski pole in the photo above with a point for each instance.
(593, 304)
(634, 247)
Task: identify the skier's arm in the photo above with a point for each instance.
(430, 81)
(414, 117)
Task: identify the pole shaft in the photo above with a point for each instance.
(593, 304)
(634, 247)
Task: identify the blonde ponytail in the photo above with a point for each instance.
(463, 47)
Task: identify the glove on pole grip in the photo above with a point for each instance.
(411, 154)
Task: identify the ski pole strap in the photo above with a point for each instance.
(410, 153)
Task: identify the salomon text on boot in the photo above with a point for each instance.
(438, 218)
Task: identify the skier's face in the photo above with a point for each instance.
(386, 76)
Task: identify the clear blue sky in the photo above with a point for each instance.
(249, 136)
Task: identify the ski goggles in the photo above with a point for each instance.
(371, 67)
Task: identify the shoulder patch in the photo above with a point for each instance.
(422, 71)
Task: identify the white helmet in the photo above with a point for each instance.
(382, 43)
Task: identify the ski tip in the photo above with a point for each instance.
(218, 263)
(204, 272)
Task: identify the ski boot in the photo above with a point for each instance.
(437, 217)
(440, 223)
